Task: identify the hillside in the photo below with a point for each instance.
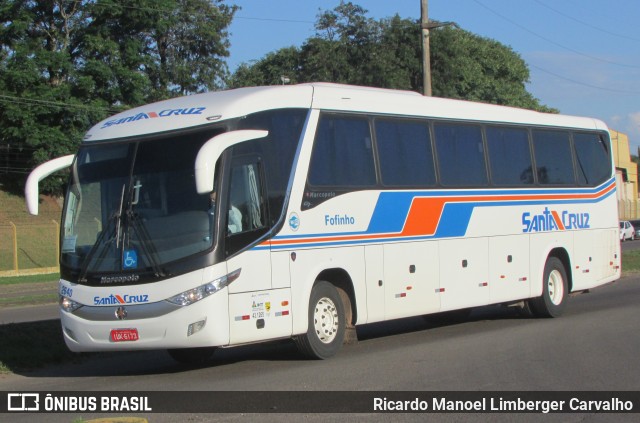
(14, 209)
(37, 236)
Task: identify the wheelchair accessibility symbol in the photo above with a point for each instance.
(130, 260)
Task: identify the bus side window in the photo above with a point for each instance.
(552, 152)
(509, 156)
(405, 153)
(247, 214)
(342, 153)
(593, 160)
(460, 155)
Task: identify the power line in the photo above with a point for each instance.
(573, 81)
(3, 147)
(153, 9)
(613, 90)
(273, 20)
(522, 27)
(34, 101)
(14, 172)
(180, 12)
(587, 24)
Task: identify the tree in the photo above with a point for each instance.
(351, 48)
(470, 67)
(66, 64)
(40, 116)
(175, 47)
(283, 63)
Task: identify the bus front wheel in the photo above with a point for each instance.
(326, 328)
(555, 290)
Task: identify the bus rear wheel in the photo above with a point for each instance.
(326, 328)
(555, 290)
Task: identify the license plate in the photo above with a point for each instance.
(124, 335)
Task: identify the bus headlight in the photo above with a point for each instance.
(203, 291)
(68, 305)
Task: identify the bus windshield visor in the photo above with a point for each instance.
(133, 206)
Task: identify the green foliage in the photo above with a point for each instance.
(65, 65)
(351, 48)
(269, 70)
(470, 67)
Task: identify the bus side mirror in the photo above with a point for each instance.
(39, 173)
(211, 151)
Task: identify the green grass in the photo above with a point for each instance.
(37, 236)
(631, 261)
(28, 290)
(15, 280)
(25, 300)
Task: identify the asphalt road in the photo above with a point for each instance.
(29, 314)
(593, 347)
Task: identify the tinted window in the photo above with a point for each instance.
(554, 163)
(342, 153)
(404, 148)
(277, 151)
(460, 155)
(246, 214)
(509, 156)
(593, 160)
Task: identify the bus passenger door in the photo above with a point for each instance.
(254, 307)
(246, 222)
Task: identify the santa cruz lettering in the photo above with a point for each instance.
(552, 220)
(153, 115)
(121, 299)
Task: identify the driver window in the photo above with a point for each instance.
(246, 204)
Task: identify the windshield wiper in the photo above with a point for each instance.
(146, 245)
(100, 242)
(133, 221)
(119, 216)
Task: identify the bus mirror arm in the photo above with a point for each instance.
(211, 151)
(31, 192)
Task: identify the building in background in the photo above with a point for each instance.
(626, 177)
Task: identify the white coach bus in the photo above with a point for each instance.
(255, 214)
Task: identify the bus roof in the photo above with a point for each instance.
(200, 109)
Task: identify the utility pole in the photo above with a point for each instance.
(426, 53)
(426, 59)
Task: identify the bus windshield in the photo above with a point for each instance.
(133, 206)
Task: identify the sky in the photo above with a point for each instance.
(583, 55)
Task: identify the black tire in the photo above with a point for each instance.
(555, 290)
(192, 356)
(325, 334)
